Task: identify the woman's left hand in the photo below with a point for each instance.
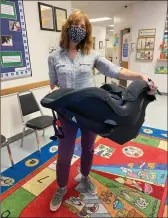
(153, 86)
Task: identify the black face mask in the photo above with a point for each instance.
(76, 34)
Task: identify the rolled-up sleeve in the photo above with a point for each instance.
(52, 72)
(106, 67)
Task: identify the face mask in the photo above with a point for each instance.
(76, 34)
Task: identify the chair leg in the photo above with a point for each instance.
(10, 153)
(23, 132)
(43, 132)
(38, 142)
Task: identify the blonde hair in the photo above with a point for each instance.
(86, 45)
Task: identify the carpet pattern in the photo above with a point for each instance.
(131, 181)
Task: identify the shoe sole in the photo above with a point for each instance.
(91, 193)
(53, 209)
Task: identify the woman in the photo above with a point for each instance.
(71, 65)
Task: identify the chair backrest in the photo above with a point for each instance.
(28, 103)
(3, 139)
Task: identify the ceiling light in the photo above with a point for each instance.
(111, 25)
(111, 30)
(99, 19)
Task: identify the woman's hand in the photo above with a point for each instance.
(127, 74)
(53, 88)
(152, 85)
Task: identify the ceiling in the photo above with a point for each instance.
(97, 9)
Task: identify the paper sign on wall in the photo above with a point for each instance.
(8, 10)
(125, 47)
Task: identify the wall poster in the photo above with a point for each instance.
(14, 55)
(115, 39)
(125, 47)
(145, 44)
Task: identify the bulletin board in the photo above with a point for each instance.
(145, 44)
(14, 55)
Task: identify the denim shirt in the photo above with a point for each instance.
(78, 73)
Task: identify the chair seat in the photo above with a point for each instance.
(40, 122)
(3, 139)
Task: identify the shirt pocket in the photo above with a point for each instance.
(85, 67)
(59, 67)
(62, 73)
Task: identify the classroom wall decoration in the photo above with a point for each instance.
(125, 47)
(162, 61)
(14, 56)
(51, 18)
(145, 44)
(116, 39)
(60, 18)
(164, 44)
(46, 17)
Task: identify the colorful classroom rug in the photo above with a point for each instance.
(131, 181)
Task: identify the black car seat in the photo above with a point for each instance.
(109, 111)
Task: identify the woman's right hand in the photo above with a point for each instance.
(53, 88)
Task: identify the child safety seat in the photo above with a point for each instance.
(109, 111)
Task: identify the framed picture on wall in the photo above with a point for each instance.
(149, 43)
(100, 44)
(46, 17)
(141, 43)
(148, 55)
(60, 18)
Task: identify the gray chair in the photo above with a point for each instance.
(4, 142)
(29, 105)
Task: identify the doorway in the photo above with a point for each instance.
(124, 53)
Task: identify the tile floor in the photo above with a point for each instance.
(156, 118)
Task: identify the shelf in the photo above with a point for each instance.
(145, 49)
(162, 60)
(160, 73)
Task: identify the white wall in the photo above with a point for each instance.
(110, 47)
(39, 43)
(143, 15)
(99, 33)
